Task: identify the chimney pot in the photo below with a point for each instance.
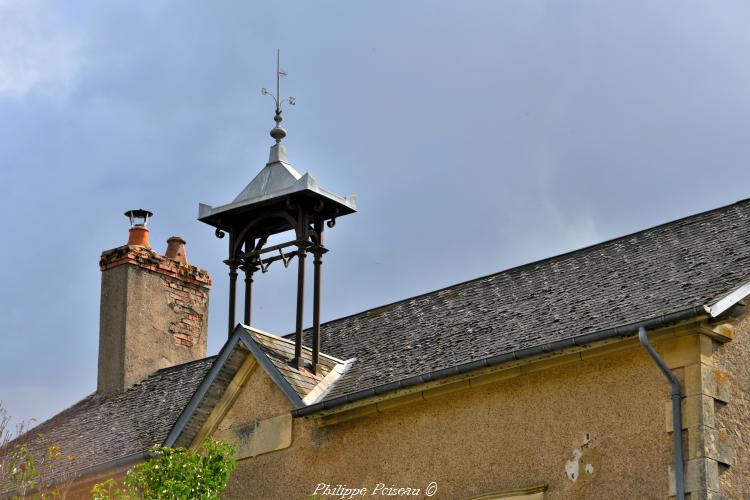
(138, 235)
(176, 249)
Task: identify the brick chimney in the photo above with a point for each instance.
(154, 309)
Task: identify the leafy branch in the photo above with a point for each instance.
(174, 473)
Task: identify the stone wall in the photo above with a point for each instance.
(732, 418)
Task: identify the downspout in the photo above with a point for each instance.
(679, 474)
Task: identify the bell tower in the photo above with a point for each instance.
(278, 200)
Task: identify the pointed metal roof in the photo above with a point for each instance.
(276, 176)
(276, 180)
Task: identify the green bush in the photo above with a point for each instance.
(175, 473)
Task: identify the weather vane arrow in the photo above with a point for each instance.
(278, 132)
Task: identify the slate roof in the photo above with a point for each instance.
(669, 268)
(98, 430)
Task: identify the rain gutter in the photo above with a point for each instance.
(581, 340)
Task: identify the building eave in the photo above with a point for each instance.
(306, 186)
(624, 331)
(724, 303)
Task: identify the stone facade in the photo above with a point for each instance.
(587, 424)
(595, 416)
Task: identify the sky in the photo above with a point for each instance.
(477, 136)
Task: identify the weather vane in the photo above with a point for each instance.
(278, 132)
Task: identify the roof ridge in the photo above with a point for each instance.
(536, 262)
(286, 340)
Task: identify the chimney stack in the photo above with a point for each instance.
(154, 309)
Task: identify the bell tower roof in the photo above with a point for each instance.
(276, 182)
(275, 177)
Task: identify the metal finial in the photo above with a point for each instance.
(278, 132)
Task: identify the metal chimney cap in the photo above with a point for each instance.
(138, 214)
